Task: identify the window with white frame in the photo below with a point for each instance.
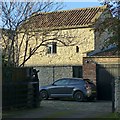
(52, 47)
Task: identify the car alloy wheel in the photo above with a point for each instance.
(44, 94)
(78, 96)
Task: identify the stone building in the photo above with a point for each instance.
(76, 35)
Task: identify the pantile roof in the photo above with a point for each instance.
(67, 18)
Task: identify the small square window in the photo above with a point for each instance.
(52, 48)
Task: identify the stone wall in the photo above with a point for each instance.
(82, 38)
(48, 74)
(117, 95)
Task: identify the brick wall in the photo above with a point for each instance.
(90, 65)
(117, 95)
(89, 69)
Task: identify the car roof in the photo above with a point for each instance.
(72, 78)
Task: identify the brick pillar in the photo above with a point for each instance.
(89, 69)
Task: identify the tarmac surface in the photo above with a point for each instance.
(63, 109)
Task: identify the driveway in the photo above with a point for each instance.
(63, 109)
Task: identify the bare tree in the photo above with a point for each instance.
(14, 14)
(21, 37)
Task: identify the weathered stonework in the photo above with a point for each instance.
(65, 71)
(45, 75)
(74, 33)
(66, 55)
(48, 75)
(86, 38)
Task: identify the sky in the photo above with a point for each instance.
(75, 5)
(70, 4)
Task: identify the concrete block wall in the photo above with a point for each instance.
(117, 95)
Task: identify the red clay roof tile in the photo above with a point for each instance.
(68, 18)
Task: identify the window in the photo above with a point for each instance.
(61, 82)
(52, 47)
(75, 82)
(77, 49)
(77, 71)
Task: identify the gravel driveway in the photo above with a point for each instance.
(64, 109)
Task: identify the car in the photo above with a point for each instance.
(77, 88)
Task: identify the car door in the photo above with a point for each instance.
(70, 87)
(58, 88)
(73, 84)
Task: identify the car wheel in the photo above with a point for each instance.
(44, 94)
(78, 96)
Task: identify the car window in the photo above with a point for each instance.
(61, 82)
(71, 82)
